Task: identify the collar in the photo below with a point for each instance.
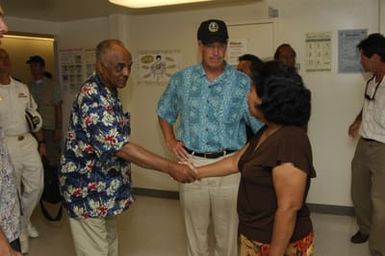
(95, 78)
(201, 71)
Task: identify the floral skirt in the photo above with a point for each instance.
(303, 247)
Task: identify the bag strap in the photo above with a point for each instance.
(48, 216)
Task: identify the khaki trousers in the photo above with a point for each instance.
(95, 237)
(368, 192)
(211, 202)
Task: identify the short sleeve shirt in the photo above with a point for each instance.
(373, 118)
(14, 100)
(257, 200)
(212, 114)
(94, 181)
(47, 94)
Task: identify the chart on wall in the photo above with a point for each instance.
(75, 66)
(157, 66)
(318, 51)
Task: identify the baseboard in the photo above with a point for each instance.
(331, 209)
(317, 208)
(156, 193)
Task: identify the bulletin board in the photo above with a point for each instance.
(75, 66)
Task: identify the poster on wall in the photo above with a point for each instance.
(76, 65)
(318, 51)
(348, 54)
(236, 48)
(89, 62)
(157, 66)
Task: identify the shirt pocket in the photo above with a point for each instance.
(233, 112)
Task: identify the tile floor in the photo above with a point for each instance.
(154, 226)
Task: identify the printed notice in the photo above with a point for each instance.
(348, 54)
(318, 51)
(236, 49)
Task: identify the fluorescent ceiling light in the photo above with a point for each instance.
(152, 3)
(30, 37)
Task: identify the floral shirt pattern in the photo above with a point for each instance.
(213, 115)
(9, 200)
(94, 182)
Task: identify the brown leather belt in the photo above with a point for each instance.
(211, 155)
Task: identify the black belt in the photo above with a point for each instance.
(369, 140)
(211, 154)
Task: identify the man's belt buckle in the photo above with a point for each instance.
(20, 137)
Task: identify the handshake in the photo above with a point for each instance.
(184, 171)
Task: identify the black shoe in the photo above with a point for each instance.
(359, 238)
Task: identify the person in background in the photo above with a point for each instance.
(47, 95)
(276, 167)
(285, 54)
(245, 61)
(210, 101)
(9, 203)
(25, 148)
(95, 175)
(368, 164)
(244, 65)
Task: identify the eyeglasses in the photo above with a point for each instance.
(370, 91)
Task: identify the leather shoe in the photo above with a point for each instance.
(359, 238)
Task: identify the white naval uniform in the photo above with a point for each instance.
(22, 146)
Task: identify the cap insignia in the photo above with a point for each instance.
(213, 27)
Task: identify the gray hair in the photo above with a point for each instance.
(106, 45)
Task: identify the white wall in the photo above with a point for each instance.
(79, 34)
(337, 98)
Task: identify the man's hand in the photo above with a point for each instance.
(42, 149)
(354, 128)
(183, 172)
(177, 147)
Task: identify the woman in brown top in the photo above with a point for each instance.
(276, 167)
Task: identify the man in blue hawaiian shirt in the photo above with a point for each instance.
(210, 100)
(95, 177)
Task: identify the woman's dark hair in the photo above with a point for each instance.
(285, 100)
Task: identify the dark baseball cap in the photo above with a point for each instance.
(211, 31)
(36, 59)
